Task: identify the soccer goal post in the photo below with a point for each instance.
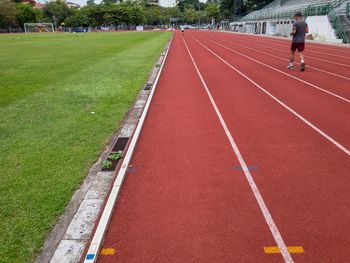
(38, 27)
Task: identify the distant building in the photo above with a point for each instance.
(72, 5)
(30, 2)
(39, 6)
(168, 3)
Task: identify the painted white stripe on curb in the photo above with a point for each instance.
(268, 218)
(280, 71)
(341, 147)
(96, 242)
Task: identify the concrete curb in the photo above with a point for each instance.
(71, 234)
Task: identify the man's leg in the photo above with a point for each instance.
(301, 49)
(302, 62)
(291, 64)
(292, 53)
(301, 56)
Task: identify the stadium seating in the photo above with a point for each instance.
(339, 17)
(286, 8)
(281, 12)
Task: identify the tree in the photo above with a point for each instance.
(212, 10)
(108, 2)
(7, 13)
(90, 2)
(190, 16)
(189, 4)
(26, 14)
(230, 8)
(56, 11)
(252, 5)
(77, 20)
(153, 15)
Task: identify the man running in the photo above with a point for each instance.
(300, 29)
(182, 30)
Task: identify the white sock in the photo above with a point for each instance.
(302, 61)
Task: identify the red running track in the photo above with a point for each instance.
(187, 198)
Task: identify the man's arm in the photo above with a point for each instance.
(294, 31)
(307, 29)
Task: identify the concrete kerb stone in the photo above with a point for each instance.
(69, 237)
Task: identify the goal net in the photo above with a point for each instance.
(38, 27)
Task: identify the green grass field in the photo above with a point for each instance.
(49, 85)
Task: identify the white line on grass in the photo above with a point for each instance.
(269, 54)
(280, 71)
(96, 242)
(268, 218)
(341, 147)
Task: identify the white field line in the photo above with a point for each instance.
(306, 56)
(337, 144)
(96, 242)
(268, 218)
(280, 71)
(270, 55)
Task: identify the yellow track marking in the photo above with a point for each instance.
(107, 251)
(276, 250)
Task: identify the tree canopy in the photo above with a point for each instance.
(128, 12)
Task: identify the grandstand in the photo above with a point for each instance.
(286, 9)
(276, 18)
(340, 19)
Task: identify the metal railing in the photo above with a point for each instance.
(338, 25)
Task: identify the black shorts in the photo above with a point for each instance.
(298, 46)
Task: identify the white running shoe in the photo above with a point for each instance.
(290, 66)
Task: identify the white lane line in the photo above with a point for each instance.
(318, 45)
(341, 147)
(311, 51)
(270, 55)
(96, 242)
(306, 56)
(280, 71)
(268, 218)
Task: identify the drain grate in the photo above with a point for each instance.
(118, 147)
(120, 144)
(148, 86)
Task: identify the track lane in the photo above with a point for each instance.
(305, 178)
(334, 57)
(324, 111)
(276, 59)
(284, 53)
(315, 49)
(312, 79)
(185, 199)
